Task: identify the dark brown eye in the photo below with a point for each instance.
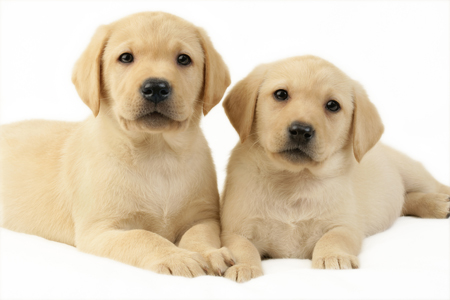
(126, 58)
(184, 60)
(333, 106)
(281, 95)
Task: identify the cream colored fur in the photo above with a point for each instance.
(319, 208)
(119, 184)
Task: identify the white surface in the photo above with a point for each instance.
(399, 50)
(409, 261)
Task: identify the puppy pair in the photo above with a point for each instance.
(309, 178)
(135, 182)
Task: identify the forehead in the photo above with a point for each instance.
(159, 32)
(307, 76)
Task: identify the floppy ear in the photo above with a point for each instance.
(367, 125)
(240, 103)
(217, 77)
(87, 75)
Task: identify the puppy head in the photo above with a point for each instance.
(152, 72)
(302, 111)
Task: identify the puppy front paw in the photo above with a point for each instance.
(219, 260)
(335, 262)
(243, 272)
(180, 263)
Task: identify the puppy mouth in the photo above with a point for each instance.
(153, 114)
(296, 155)
(155, 119)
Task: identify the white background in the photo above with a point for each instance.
(399, 50)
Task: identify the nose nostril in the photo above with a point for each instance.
(293, 132)
(147, 92)
(164, 92)
(307, 136)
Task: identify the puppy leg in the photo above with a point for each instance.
(248, 259)
(204, 238)
(444, 189)
(425, 196)
(143, 249)
(337, 249)
(427, 205)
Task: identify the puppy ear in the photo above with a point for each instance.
(367, 125)
(87, 75)
(240, 103)
(216, 75)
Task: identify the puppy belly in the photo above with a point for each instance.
(32, 198)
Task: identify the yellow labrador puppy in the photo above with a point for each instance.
(309, 178)
(137, 178)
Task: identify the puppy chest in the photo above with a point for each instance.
(279, 239)
(165, 194)
(172, 222)
(164, 222)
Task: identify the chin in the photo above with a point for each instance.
(295, 156)
(286, 162)
(154, 122)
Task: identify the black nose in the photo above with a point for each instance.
(155, 90)
(301, 132)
